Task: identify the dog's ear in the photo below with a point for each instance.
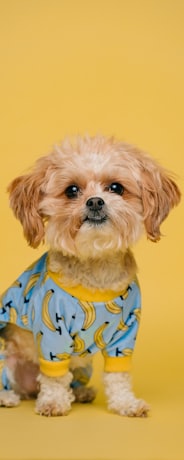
(159, 195)
(26, 193)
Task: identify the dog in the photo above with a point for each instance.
(90, 200)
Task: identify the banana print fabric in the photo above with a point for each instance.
(72, 321)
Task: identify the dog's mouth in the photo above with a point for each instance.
(96, 218)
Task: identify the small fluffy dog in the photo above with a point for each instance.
(90, 200)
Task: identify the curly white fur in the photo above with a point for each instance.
(120, 397)
(55, 396)
(9, 398)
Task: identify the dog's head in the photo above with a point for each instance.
(93, 196)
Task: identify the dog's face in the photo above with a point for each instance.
(92, 198)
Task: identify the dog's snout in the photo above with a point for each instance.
(95, 203)
(96, 212)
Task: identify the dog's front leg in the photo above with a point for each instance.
(120, 397)
(55, 395)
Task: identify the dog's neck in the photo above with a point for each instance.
(114, 271)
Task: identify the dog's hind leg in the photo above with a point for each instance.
(8, 398)
(81, 368)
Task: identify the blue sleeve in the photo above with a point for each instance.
(14, 302)
(123, 341)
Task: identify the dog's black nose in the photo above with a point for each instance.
(95, 203)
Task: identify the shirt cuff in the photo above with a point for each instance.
(117, 364)
(54, 369)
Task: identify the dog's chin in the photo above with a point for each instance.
(94, 238)
(97, 238)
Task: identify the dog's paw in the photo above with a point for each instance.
(55, 396)
(131, 407)
(8, 398)
(54, 405)
(51, 408)
(120, 397)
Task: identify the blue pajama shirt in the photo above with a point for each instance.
(68, 321)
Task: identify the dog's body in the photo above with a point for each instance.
(91, 201)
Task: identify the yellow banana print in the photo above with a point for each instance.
(63, 356)
(39, 337)
(24, 319)
(45, 310)
(80, 374)
(113, 307)
(104, 353)
(90, 313)
(2, 344)
(13, 315)
(45, 278)
(122, 326)
(125, 294)
(2, 300)
(85, 353)
(137, 313)
(31, 283)
(127, 351)
(16, 284)
(98, 336)
(33, 314)
(1, 370)
(79, 344)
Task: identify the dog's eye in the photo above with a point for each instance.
(115, 187)
(72, 191)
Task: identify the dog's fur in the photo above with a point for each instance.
(94, 253)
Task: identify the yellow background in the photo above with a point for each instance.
(110, 67)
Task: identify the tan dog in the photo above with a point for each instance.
(91, 201)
